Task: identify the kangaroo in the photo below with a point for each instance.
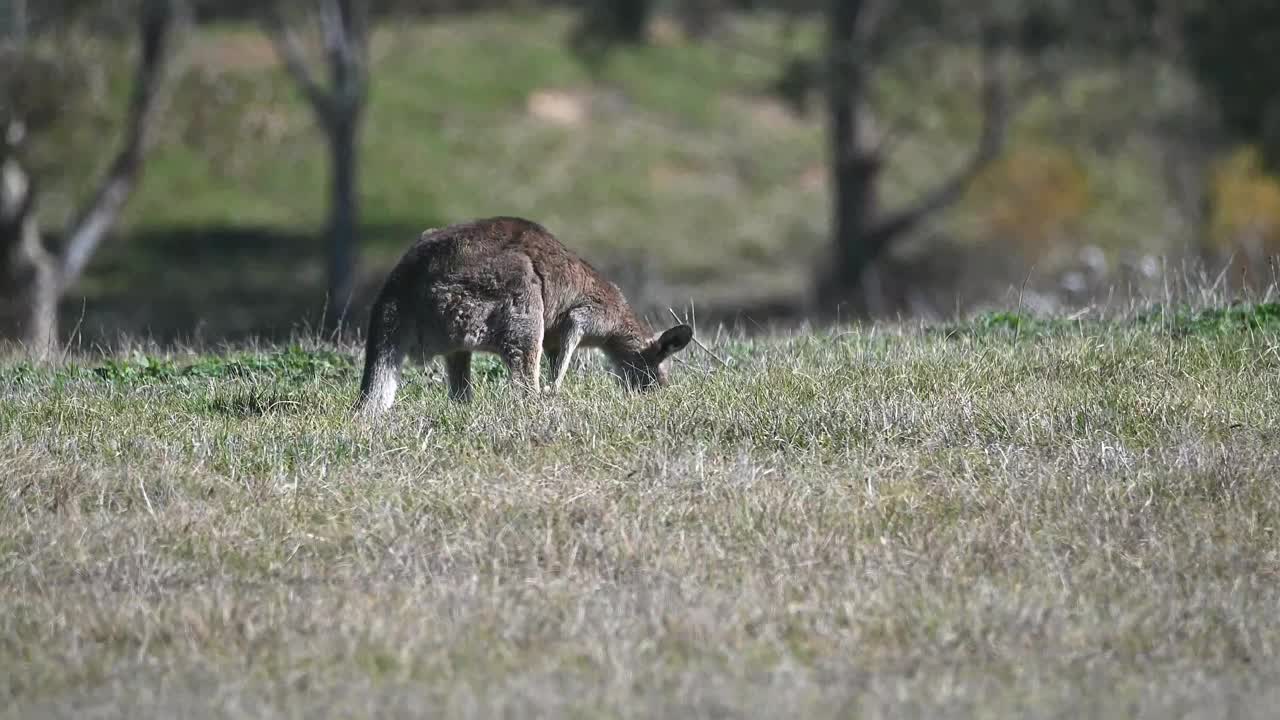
(504, 285)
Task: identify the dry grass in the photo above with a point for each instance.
(1058, 519)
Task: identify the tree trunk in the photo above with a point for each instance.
(343, 211)
(701, 17)
(855, 176)
(32, 278)
(29, 274)
(31, 314)
(338, 107)
(15, 24)
(861, 230)
(608, 22)
(855, 166)
(630, 19)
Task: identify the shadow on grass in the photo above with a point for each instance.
(205, 285)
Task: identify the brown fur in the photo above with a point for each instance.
(507, 286)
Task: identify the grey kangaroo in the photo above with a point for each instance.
(504, 285)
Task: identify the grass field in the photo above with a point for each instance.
(1008, 517)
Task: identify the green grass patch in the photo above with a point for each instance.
(1183, 320)
(1006, 324)
(1178, 320)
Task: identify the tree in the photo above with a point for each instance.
(34, 273)
(604, 24)
(861, 230)
(607, 22)
(1231, 48)
(338, 108)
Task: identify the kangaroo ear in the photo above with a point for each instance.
(673, 341)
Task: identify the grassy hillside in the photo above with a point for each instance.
(1003, 518)
(672, 166)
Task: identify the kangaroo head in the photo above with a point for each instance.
(646, 368)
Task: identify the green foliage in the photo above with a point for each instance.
(1033, 196)
(292, 364)
(1244, 206)
(606, 23)
(1177, 320)
(1008, 325)
(1183, 320)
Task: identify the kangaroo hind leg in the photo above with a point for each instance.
(458, 367)
(521, 347)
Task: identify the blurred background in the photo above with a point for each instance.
(206, 171)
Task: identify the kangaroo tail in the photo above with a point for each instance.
(383, 357)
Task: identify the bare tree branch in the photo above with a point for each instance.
(995, 130)
(28, 271)
(345, 32)
(158, 19)
(290, 51)
(344, 28)
(358, 30)
(18, 194)
(340, 38)
(874, 13)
